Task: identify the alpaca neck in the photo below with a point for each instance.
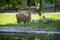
(30, 15)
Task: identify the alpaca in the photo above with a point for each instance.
(23, 17)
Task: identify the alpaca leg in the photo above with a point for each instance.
(18, 24)
(24, 24)
(28, 23)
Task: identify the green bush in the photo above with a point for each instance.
(48, 36)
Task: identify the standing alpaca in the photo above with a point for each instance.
(23, 17)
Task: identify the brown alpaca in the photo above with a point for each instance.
(23, 17)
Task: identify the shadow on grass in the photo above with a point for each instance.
(55, 23)
(10, 24)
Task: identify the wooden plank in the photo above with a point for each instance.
(27, 31)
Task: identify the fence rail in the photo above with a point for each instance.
(29, 33)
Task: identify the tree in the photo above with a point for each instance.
(55, 2)
(39, 5)
(4, 4)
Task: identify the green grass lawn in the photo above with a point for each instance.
(10, 20)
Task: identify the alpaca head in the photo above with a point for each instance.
(29, 11)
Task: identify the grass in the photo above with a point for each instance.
(10, 20)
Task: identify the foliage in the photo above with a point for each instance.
(41, 36)
(38, 6)
(10, 3)
(31, 3)
(16, 4)
(3, 4)
(51, 1)
(55, 2)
